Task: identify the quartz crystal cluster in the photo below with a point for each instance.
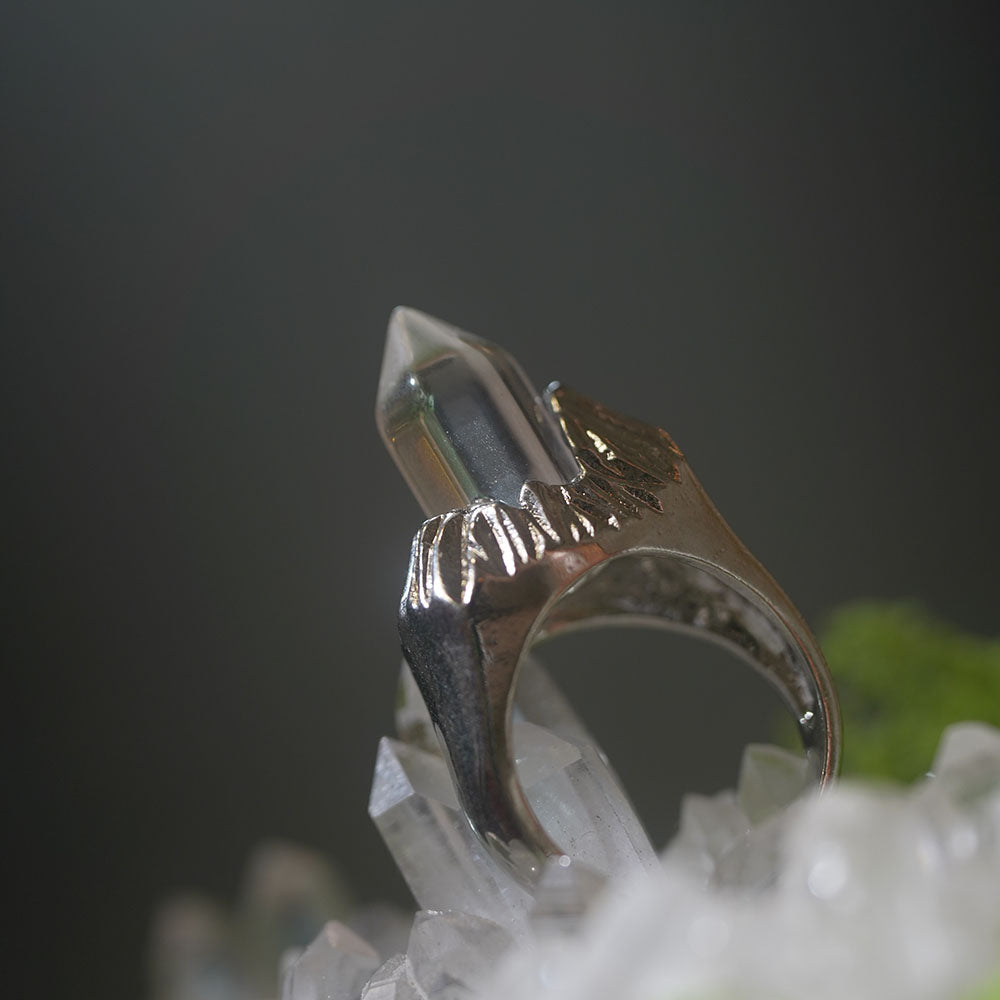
(767, 892)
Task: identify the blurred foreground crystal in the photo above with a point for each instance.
(872, 893)
(200, 952)
(192, 952)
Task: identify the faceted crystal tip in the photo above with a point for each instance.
(461, 419)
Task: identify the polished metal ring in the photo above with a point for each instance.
(614, 528)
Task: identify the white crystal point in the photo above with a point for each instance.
(580, 803)
(453, 954)
(446, 866)
(969, 746)
(770, 779)
(604, 804)
(710, 828)
(461, 419)
(334, 967)
(393, 981)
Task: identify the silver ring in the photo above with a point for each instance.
(627, 536)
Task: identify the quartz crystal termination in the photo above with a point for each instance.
(461, 419)
(336, 966)
(569, 784)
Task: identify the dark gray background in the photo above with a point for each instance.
(771, 228)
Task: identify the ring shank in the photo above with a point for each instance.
(649, 589)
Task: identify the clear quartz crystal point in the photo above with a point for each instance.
(393, 981)
(461, 419)
(580, 803)
(732, 839)
(710, 828)
(771, 778)
(334, 967)
(446, 866)
(453, 954)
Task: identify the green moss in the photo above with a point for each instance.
(902, 677)
(988, 990)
